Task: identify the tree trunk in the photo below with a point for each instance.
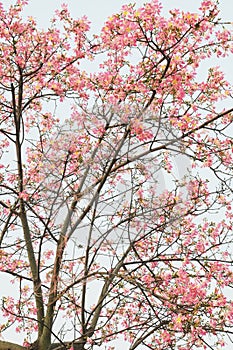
(79, 345)
(6, 345)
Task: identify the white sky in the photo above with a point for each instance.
(97, 11)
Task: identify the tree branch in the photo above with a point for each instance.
(6, 345)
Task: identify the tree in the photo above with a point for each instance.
(96, 248)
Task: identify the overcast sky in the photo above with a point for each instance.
(97, 11)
